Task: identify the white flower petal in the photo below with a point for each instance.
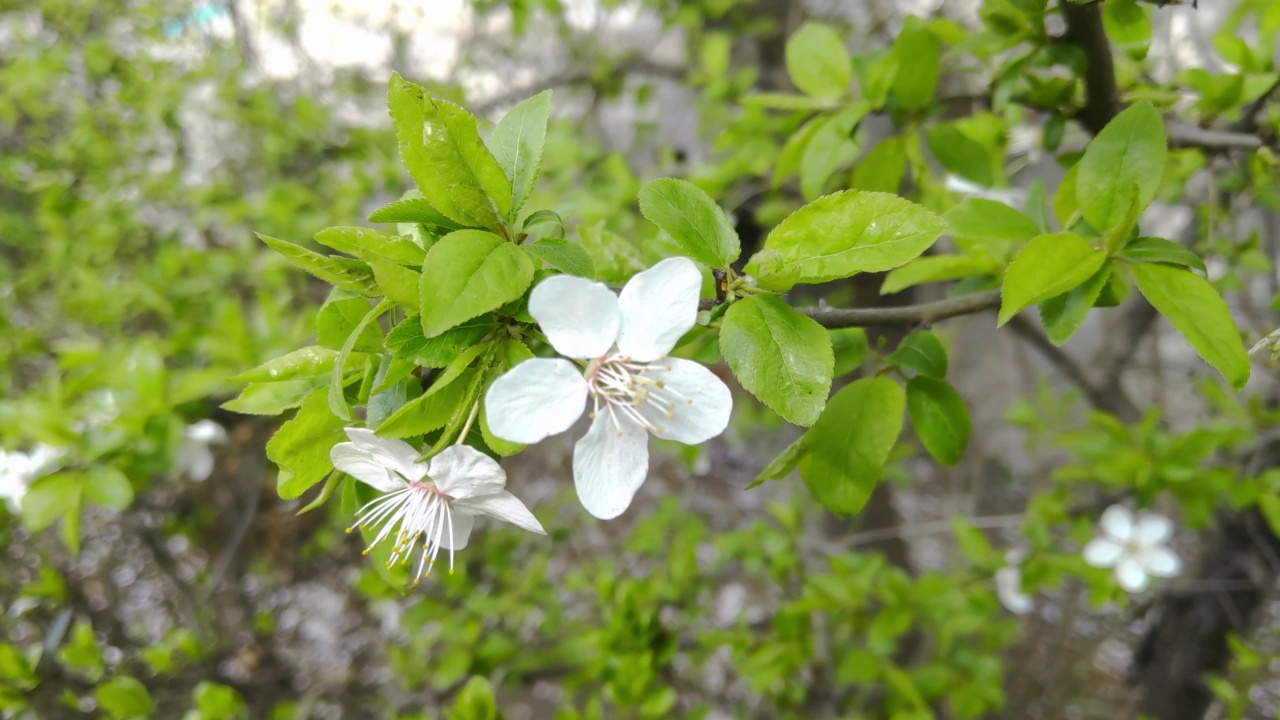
(1151, 529)
(699, 402)
(1102, 553)
(1117, 522)
(396, 455)
(199, 462)
(535, 399)
(206, 431)
(1131, 575)
(579, 317)
(658, 306)
(1161, 562)
(1009, 591)
(503, 506)
(610, 463)
(364, 466)
(462, 523)
(462, 472)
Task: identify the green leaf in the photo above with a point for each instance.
(991, 221)
(961, 154)
(337, 381)
(406, 341)
(350, 275)
(692, 219)
(615, 259)
(563, 255)
(105, 485)
(1128, 26)
(831, 146)
(1065, 202)
(883, 167)
(273, 398)
(780, 356)
(1270, 506)
(923, 353)
(217, 702)
(467, 273)
(1150, 249)
(124, 698)
(429, 411)
(412, 210)
(940, 418)
(935, 268)
(782, 465)
(817, 61)
(1196, 309)
(1049, 265)
(398, 283)
(464, 136)
(338, 318)
(303, 363)
(1130, 150)
(517, 144)
(972, 542)
(850, 348)
(48, 498)
(786, 101)
(793, 150)
(1063, 314)
(844, 234)
(435, 161)
(355, 240)
(850, 443)
(301, 446)
(918, 53)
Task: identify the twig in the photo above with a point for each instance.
(1186, 135)
(1085, 31)
(930, 528)
(909, 315)
(1112, 400)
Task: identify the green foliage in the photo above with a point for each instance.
(780, 356)
(517, 144)
(817, 61)
(468, 273)
(848, 446)
(1197, 311)
(844, 234)
(1129, 153)
(940, 418)
(1047, 266)
(692, 218)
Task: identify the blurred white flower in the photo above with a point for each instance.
(621, 344)
(961, 186)
(435, 502)
(1269, 342)
(1009, 585)
(100, 409)
(1026, 140)
(1134, 547)
(195, 455)
(19, 469)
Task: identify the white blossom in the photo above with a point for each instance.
(1009, 585)
(620, 344)
(195, 455)
(434, 503)
(1133, 547)
(19, 469)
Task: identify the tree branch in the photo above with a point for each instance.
(1187, 135)
(1108, 399)
(1085, 31)
(922, 314)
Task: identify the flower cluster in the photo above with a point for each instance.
(616, 354)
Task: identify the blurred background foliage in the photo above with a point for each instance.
(143, 141)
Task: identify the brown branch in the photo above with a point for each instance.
(1085, 31)
(922, 314)
(1105, 398)
(1186, 135)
